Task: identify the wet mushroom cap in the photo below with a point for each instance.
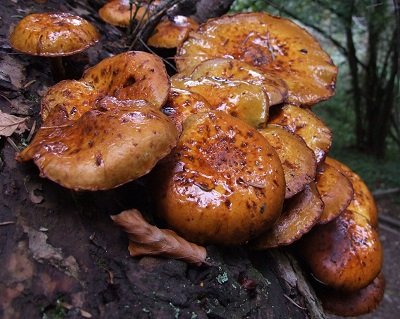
(275, 45)
(231, 69)
(363, 202)
(355, 303)
(345, 253)
(171, 32)
(298, 161)
(181, 104)
(299, 215)
(241, 99)
(112, 144)
(307, 125)
(53, 34)
(222, 184)
(73, 98)
(131, 75)
(118, 13)
(336, 191)
(105, 129)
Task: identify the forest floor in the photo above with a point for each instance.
(62, 257)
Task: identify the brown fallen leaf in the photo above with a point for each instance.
(145, 239)
(11, 123)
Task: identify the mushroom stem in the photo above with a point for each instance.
(57, 68)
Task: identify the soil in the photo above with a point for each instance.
(62, 257)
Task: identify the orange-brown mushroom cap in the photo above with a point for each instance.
(345, 253)
(171, 32)
(53, 34)
(336, 191)
(105, 129)
(131, 75)
(298, 161)
(112, 144)
(223, 183)
(300, 214)
(352, 304)
(307, 125)
(275, 45)
(118, 12)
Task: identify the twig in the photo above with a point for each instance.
(151, 51)
(83, 313)
(293, 302)
(14, 146)
(31, 132)
(144, 31)
(7, 223)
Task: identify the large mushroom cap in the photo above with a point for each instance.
(223, 182)
(53, 34)
(105, 129)
(275, 45)
(107, 146)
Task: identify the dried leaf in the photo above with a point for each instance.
(11, 123)
(146, 239)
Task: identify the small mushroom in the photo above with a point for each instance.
(171, 32)
(300, 213)
(53, 35)
(119, 12)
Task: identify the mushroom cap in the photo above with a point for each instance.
(53, 34)
(355, 303)
(222, 184)
(231, 69)
(336, 191)
(363, 202)
(275, 45)
(345, 253)
(181, 104)
(99, 133)
(298, 161)
(241, 99)
(307, 125)
(73, 97)
(131, 75)
(299, 215)
(171, 32)
(112, 144)
(118, 13)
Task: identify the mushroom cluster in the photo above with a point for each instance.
(107, 128)
(245, 159)
(268, 72)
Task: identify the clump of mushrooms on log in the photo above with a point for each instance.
(234, 153)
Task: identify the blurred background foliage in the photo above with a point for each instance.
(363, 39)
